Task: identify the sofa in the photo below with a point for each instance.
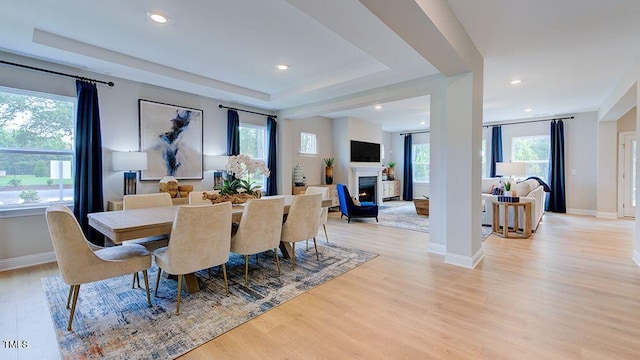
(530, 190)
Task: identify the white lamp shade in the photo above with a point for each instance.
(216, 162)
(516, 168)
(129, 160)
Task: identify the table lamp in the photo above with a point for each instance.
(510, 170)
(131, 162)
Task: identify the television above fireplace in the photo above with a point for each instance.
(365, 151)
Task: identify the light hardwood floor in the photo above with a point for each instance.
(569, 292)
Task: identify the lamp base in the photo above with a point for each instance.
(130, 178)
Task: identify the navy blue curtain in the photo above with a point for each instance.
(407, 188)
(272, 187)
(233, 133)
(556, 201)
(87, 180)
(496, 149)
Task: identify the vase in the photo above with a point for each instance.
(508, 193)
(328, 175)
(390, 174)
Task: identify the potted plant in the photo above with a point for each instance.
(390, 171)
(507, 188)
(328, 170)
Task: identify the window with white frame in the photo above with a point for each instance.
(308, 144)
(253, 142)
(36, 149)
(421, 162)
(534, 152)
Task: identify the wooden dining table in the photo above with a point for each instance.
(125, 225)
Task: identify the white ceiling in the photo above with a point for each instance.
(569, 54)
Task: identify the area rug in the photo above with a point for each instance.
(405, 217)
(114, 321)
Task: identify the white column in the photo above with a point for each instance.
(438, 184)
(636, 251)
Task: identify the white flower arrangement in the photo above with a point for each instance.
(242, 167)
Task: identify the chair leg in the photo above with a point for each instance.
(70, 294)
(73, 305)
(179, 294)
(146, 285)
(316, 246)
(348, 220)
(293, 256)
(157, 282)
(246, 270)
(376, 219)
(224, 274)
(324, 226)
(277, 259)
(307, 244)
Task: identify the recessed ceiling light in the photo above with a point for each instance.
(158, 17)
(423, 123)
(282, 67)
(528, 110)
(514, 82)
(378, 107)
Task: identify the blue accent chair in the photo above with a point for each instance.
(351, 210)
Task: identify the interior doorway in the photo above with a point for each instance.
(627, 151)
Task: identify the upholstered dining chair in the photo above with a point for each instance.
(200, 238)
(79, 264)
(324, 212)
(302, 222)
(141, 201)
(195, 197)
(259, 230)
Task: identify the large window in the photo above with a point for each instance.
(421, 163)
(36, 149)
(534, 151)
(253, 142)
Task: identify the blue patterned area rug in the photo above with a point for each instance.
(405, 217)
(114, 321)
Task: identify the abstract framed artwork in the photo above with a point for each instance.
(172, 138)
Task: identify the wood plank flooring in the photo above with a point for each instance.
(569, 292)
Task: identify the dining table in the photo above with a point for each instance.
(132, 224)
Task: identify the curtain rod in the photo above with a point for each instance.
(110, 83)
(252, 112)
(416, 132)
(530, 121)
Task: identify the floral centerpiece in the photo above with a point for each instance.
(240, 187)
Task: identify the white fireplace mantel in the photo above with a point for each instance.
(358, 171)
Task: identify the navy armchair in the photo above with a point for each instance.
(351, 210)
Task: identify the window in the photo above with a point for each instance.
(534, 151)
(421, 162)
(36, 149)
(484, 158)
(253, 142)
(308, 144)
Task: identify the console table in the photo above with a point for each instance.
(504, 215)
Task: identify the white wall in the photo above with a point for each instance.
(313, 165)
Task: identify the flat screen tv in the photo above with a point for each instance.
(364, 152)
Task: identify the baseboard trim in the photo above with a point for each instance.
(438, 249)
(636, 257)
(468, 262)
(607, 215)
(582, 212)
(26, 261)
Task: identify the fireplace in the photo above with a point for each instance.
(367, 188)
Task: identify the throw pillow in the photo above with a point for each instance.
(356, 202)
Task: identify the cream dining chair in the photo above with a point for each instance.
(141, 201)
(195, 197)
(200, 238)
(302, 222)
(324, 211)
(259, 230)
(79, 264)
